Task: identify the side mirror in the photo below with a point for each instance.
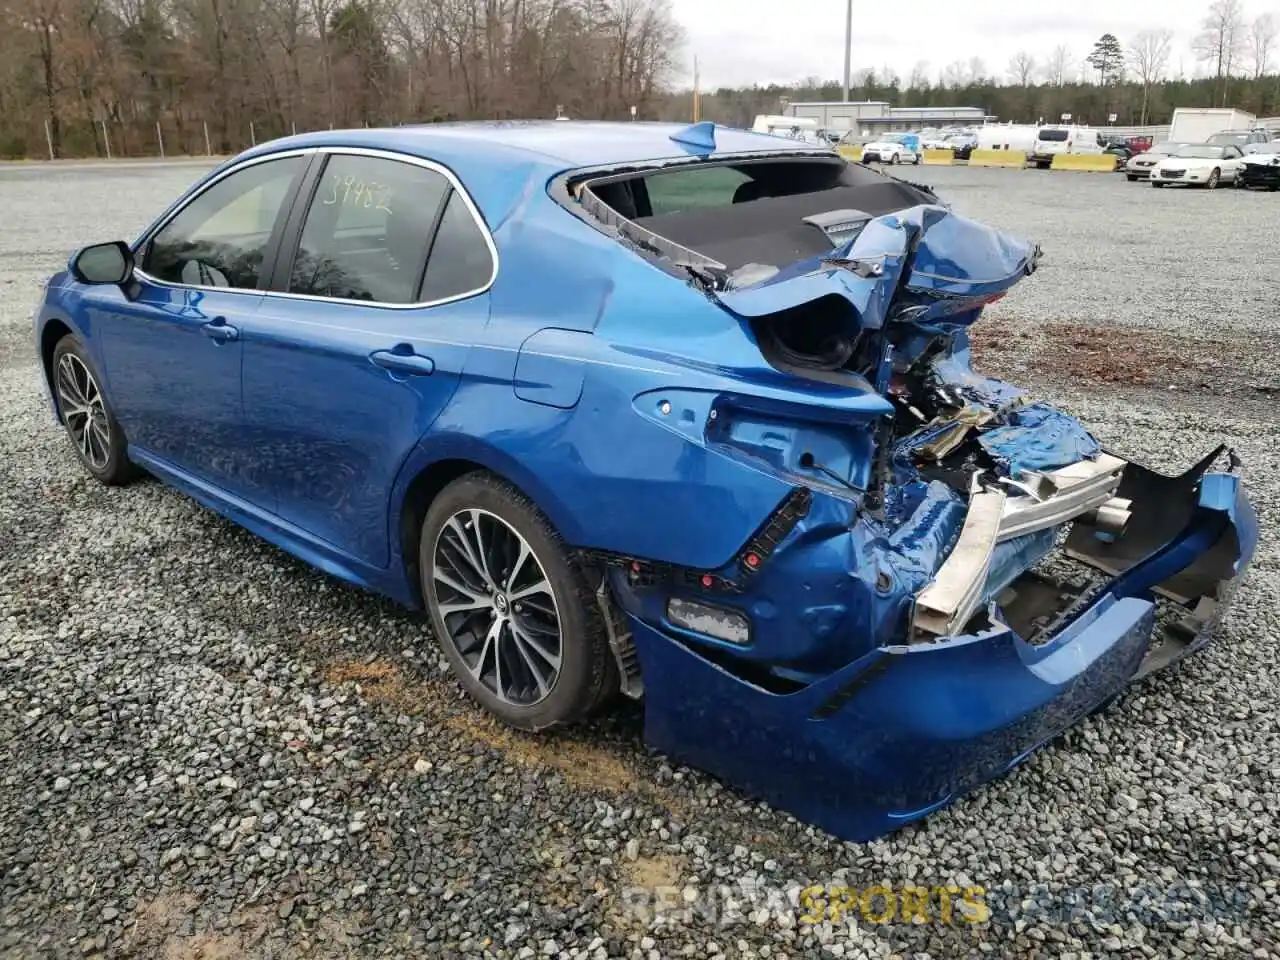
(103, 263)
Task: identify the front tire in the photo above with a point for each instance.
(1214, 176)
(511, 609)
(893, 159)
(96, 435)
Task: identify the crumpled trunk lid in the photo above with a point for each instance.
(924, 265)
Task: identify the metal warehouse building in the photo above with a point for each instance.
(874, 116)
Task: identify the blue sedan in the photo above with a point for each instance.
(680, 413)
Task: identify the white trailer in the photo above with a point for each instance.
(1198, 124)
(793, 128)
(1020, 137)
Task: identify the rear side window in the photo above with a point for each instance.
(367, 230)
(220, 237)
(460, 260)
(1052, 135)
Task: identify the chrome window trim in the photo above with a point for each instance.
(151, 234)
(376, 153)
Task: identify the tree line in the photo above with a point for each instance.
(89, 77)
(1133, 103)
(81, 77)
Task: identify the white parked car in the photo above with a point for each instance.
(893, 148)
(1053, 140)
(1200, 164)
(1140, 165)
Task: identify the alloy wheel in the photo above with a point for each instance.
(83, 410)
(497, 606)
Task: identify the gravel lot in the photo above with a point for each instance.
(214, 751)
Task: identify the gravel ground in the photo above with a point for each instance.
(214, 751)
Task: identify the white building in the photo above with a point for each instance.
(869, 117)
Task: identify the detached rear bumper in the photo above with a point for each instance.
(908, 728)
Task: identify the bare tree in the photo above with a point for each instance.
(1021, 68)
(1262, 38)
(977, 71)
(1219, 42)
(953, 75)
(1148, 57)
(1058, 67)
(919, 76)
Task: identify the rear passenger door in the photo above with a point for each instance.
(380, 288)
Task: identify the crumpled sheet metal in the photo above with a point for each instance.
(1038, 437)
(953, 432)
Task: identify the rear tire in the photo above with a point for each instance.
(513, 612)
(95, 434)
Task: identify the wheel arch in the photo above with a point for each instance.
(429, 471)
(53, 331)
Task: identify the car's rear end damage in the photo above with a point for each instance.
(960, 572)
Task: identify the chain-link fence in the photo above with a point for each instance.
(170, 137)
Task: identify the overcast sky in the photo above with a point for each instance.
(739, 42)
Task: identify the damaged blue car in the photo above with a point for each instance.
(676, 413)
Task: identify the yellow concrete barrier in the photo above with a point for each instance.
(852, 154)
(940, 157)
(1092, 162)
(997, 158)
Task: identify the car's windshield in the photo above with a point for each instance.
(1056, 135)
(1272, 147)
(1164, 148)
(893, 138)
(1238, 138)
(1198, 151)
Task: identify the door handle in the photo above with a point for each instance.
(402, 359)
(219, 330)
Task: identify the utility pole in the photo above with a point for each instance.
(848, 44)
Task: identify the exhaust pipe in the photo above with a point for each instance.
(1110, 519)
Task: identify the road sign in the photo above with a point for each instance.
(1111, 118)
(1066, 117)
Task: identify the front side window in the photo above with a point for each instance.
(219, 239)
(368, 229)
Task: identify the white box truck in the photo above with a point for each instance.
(1198, 124)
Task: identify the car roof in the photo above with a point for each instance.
(497, 160)
(563, 143)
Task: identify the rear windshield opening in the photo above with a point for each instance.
(771, 213)
(1055, 135)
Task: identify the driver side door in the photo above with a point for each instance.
(172, 346)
